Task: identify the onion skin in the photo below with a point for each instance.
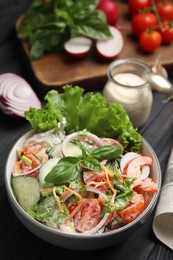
(16, 95)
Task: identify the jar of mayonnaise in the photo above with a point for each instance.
(127, 86)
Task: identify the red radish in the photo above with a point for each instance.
(109, 49)
(78, 47)
(126, 159)
(16, 95)
(110, 10)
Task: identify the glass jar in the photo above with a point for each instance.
(127, 86)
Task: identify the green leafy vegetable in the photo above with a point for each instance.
(69, 168)
(106, 152)
(48, 26)
(85, 111)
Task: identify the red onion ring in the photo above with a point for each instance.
(16, 95)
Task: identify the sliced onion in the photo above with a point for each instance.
(46, 137)
(66, 229)
(125, 160)
(145, 172)
(97, 191)
(76, 136)
(16, 95)
(98, 227)
(29, 173)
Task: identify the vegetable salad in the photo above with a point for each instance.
(81, 183)
(82, 170)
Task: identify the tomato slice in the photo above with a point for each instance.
(94, 178)
(133, 210)
(88, 216)
(70, 206)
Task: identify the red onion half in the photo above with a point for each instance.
(16, 95)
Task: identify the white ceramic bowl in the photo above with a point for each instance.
(78, 241)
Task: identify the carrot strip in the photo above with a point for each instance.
(109, 172)
(46, 190)
(57, 200)
(17, 166)
(107, 177)
(79, 203)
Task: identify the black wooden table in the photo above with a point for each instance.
(16, 242)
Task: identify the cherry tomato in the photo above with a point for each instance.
(96, 177)
(70, 206)
(133, 209)
(135, 6)
(167, 32)
(88, 216)
(143, 21)
(165, 10)
(111, 11)
(150, 40)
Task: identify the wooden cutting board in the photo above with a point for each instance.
(55, 70)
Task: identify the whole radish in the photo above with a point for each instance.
(110, 10)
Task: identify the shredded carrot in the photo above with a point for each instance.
(106, 170)
(17, 166)
(47, 190)
(57, 200)
(78, 204)
(64, 193)
(97, 184)
(109, 172)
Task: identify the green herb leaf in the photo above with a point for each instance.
(106, 152)
(66, 170)
(91, 164)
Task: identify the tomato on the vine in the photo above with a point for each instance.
(167, 31)
(150, 40)
(141, 22)
(135, 6)
(165, 9)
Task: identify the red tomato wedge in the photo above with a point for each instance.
(133, 209)
(88, 216)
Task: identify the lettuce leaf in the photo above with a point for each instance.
(85, 111)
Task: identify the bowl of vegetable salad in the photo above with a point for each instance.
(77, 188)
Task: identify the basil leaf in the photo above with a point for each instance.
(106, 152)
(91, 164)
(93, 26)
(66, 170)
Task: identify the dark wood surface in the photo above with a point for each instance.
(16, 242)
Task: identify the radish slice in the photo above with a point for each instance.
(78, 47)
(126, 159)
(32, 172)
(145, 172)
(110, 49)
(16, 95)
(70, 149)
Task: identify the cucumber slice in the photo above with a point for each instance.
(55, 151)
(45, 169)
(26, 190)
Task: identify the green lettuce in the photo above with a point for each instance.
(85, 111)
